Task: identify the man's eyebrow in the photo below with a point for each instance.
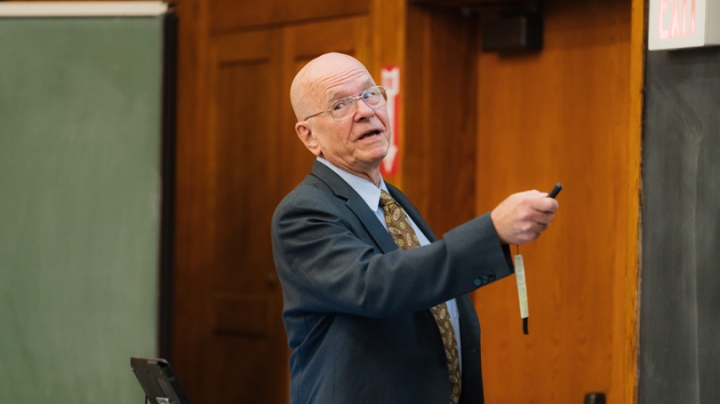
(333, 96)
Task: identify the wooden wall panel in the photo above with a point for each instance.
(570, 113)
(193, 233)
(627, 284)
(438, 169)
(242, 329)
(232, 15)
(564, 114)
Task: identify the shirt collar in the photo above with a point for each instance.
(366, 189)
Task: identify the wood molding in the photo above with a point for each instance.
(626, 367)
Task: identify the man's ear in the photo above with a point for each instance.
(307, 136)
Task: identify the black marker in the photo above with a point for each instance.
(555, 191)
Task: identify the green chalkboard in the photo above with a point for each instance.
(80, 206)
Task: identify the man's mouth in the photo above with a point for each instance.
(367, 134)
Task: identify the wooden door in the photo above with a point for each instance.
(240, 353)
(244, 341)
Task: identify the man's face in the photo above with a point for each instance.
(358, 144)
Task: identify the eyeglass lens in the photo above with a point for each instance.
(373, 97)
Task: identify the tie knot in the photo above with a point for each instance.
(386, 199)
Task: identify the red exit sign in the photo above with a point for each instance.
(675, 24)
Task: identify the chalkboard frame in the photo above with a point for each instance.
(168, 163)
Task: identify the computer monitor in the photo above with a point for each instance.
(158, 381)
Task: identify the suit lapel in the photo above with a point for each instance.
(357, 205)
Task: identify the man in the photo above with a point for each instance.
(376, 306)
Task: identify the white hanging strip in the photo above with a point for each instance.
(522, 291)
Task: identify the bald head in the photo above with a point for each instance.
(306, 92)
(356, 144)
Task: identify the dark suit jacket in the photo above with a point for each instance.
(357, 308)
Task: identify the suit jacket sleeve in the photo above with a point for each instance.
(329, 259)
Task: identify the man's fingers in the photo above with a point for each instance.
(547, 218)
(541, 217)
(538, 227)
(544, 204)
(522, 217)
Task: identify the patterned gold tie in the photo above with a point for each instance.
(402, 232)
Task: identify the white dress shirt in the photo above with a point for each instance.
(371, 195)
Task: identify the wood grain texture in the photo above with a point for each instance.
(233, 15)
(439, 166)
(565, 114)
(243, 334)
(625, 364)
(193, 232)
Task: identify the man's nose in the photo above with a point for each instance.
(363, 110)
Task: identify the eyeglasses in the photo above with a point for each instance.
(344, 109)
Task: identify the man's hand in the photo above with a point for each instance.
(521, 217)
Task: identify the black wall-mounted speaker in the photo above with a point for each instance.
(513, 34)
(595, 398)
